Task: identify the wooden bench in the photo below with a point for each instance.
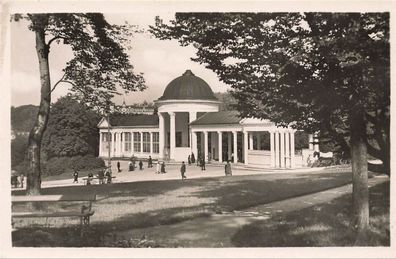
(84, 213)
(85, 179)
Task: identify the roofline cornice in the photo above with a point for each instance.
(186, 101)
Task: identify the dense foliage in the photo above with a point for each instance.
(98, 70)
(307, 70)
(22, 117)
(71, 130)
(18, 150)
(327, 72)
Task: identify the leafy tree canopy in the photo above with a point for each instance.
(22, 117)
(71, 130)
(99, 69)
(306, 70)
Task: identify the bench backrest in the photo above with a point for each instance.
(55, 197)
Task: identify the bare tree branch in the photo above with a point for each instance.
(60, 80)
(54, 38)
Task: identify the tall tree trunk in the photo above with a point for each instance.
(33, 183)
(360, 175)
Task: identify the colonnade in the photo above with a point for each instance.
(117, 143)
(282, 146)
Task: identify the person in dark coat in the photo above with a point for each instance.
(203, 164)
(163, 168)
(150, 162)
(75, 176)
(183, 171)
(141, 165)
(119, 166)
(108, 174)
(101, 176)
(189, 160)
(90, 178)
(227, 168)
(192, 158)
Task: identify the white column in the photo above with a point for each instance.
(151, 143)
(192, 116)
(141, 142)
(282, 148)
(100, 143)
(132, 143)
(272, 147)
(234, 135)
(119, 151)
(229, 144)
(292, 151)
(245, 147)
(220, 144)
(251, 141)
(206, 144)
(118, 144)
(287, 148)
(112, 144)
(194, 147)
(161, 135)
(172, 135)
(277, 149)
(310, 140)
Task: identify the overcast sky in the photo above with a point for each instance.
(160, 61)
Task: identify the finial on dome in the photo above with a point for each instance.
(188, 73)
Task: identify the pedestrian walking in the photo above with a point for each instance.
(140, 165)
(150, 162)
(183, 171)
(90, 178)
(158, 167)
(101, 175)
(189, 160)
(192, 158)
(227, 168)
(119, 166)
(108, 174)
(203, 164)
(75, 176)
(163, 168)
(130, 166)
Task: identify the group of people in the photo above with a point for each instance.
(132, 164)
(160, 168)
(106, 174)
(103, 175)
(17, 180)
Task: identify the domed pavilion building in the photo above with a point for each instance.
(188, 121)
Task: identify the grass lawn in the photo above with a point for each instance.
(322, 225)
(141, 204)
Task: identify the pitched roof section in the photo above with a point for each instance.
(222, 117)
(134, 120)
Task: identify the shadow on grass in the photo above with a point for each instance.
(236, 194)
(124, 206)
(321, 225)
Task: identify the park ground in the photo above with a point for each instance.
(252, 208)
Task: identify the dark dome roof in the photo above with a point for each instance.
(188, 86)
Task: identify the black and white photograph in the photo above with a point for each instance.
(151, 127)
